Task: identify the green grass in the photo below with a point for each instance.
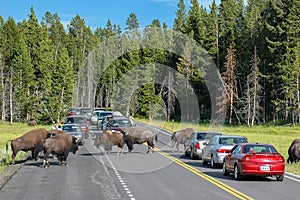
(279, 136)
(8, 132)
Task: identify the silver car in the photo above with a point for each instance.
(74, 130)
(218, 147)
(195, 144)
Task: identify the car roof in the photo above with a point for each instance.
(207, 132)
(229, 136)
(120, 117)
(71, 125)
(73, 116)
(256, 144)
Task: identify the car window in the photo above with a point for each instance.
(232, 140)
(259, 149)
(237, 150)
(213, 141)
(201, 136)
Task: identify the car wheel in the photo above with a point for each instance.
(186, 154)
(204, 162)
(236, 173)
(212, 162)
(192, 155)
(224, 170)
(280, 177)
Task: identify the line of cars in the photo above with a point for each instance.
(236, 155)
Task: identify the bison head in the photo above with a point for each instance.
(74, 146)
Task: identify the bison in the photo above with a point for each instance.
(32, 123)
(30, 141)
(54, 132)
(134, 135)
(180, 137)
(59, 145)
(294, 151)
(109, 139)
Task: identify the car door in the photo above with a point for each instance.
(208, 149)
(233, 156)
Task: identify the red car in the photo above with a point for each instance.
(254, 159)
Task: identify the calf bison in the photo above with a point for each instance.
(294, 152)
(59, 145)
(109, 139)
(30, 141)
(180, 137)
(134, 135)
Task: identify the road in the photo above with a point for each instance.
(160, 175)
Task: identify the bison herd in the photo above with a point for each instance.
(128, 136)
(59, 144)
(55, 142)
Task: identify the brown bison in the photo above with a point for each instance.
(30, 141)
(180, 137)
(59, 145)
(32, 123)
(294, 151)
(109, 139)
(134, 135)
(55, 132)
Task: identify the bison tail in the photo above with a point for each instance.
(7, 146)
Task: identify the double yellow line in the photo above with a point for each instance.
(210, 179)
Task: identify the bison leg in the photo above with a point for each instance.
(45, 161)
(13, 156)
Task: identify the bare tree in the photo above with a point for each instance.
(230, 81)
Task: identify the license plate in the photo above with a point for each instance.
(265, 168)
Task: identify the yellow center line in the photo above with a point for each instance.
(208, 178)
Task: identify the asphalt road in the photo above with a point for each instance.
(160, 175)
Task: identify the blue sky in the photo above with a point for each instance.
(96, 12)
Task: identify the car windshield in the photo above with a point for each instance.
(75, 120)
(259, 149)
(121, 123)
(103, 114)
(71, 128)
(232, 140)
(205, 136)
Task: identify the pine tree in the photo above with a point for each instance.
(132, 22)
(180, 20)
(195, 21)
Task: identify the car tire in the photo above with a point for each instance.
(280, 177)
(186, 154)
(212, 162)
(224, 170)
(204, 162)
(192, 155)
(236, 173)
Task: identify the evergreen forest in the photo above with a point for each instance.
(45, 68)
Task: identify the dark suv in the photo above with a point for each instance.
(79, 119)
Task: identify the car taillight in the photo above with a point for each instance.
(223, 150)
(281, 159)
(246, 158)
(197, 145)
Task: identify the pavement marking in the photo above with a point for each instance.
(125, 187)
(208, 178)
